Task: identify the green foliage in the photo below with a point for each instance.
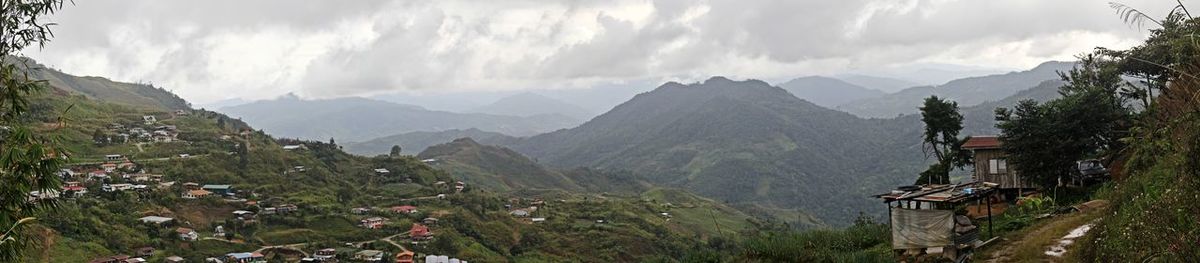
(1045, 140)
(862, 242)
(943, 122)
(28, 161)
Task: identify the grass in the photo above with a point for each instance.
(1029, 244)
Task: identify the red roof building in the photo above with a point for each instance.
(419, 232)
(407, 209)
(982, 142)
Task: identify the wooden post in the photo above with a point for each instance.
(989, 213)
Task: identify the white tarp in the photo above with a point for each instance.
(921, 228)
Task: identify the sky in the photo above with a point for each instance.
(210, 51)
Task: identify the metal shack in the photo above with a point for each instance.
(928, 221)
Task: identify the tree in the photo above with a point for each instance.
(1043, 141)
(243, 152)
(395, 151)
(943, 122)
(29, 161)
(99, 137)
(221, 122)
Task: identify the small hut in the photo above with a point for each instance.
(924, 222)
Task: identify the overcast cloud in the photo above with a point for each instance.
(214, 50)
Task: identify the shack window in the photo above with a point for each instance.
(997, 166)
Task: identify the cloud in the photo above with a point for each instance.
(213, 50)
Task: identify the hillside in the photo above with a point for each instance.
(828, 92)
(967, 92)
(321, 184)
(529, 104)
(415, 142)
(129, 94)
(742, 142)
(359, 119)
(885, 84)
(494, 167)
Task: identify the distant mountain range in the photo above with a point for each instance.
(528, 104)
(884, 84)
(967, 92)
(359, 119)
(828, 92)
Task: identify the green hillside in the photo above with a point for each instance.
(130, 94)
(323, 183)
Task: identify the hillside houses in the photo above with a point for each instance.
(187, 234)
(404, 209)
(419, 232)
(157, 220)
(194, 194)
(373, 222)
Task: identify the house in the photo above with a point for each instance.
(191, 186)
(294, 147)
(991, 164)
(381, 171)
(419, 232)
(245, 257)
(175, 259)
(359, 210)
(442, 259)
(108, 167)
(113, 157)
(373, 222)
(286, 208)
(459, 186)
(520, 213)
(405, 257)
(221, 189)
(166, 185)
(369, 255)
(187, 234)
(181, 112)
(67, 173)
(430, 221)
(126, 165)
(74, 189)
(326, 254)
(193, 194)
(537, 219)
(244, 215)
(157, 220)
(406, 209)
(144, 251)
(116, 187)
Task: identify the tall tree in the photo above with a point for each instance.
(943, 122)
(1043, 141)
(29, 160)
(395, 150)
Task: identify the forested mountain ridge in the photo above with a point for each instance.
(741, 142)
(129, 94)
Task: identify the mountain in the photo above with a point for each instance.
(129, 94)
(494, 167)
(415, 142)
(967, 92)
(528, 104)
(827, 92)
(359, 119)
(884, 84)
(743, 142)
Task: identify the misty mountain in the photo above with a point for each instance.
(827, 92)
(884, 84)
(528, 104)
(359, 119)
(743, 142)
(967, 92)
(415, 142)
